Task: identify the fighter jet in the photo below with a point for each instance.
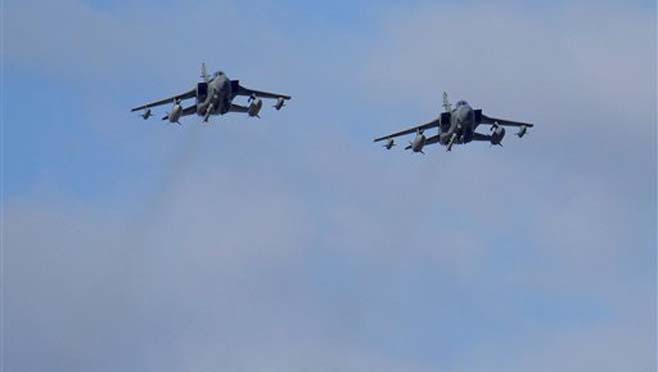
(457, 126)
(214, 96)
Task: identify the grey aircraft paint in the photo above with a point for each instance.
(458, 126)
(214, 96)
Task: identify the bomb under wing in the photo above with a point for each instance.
(214, 96)
(457, 126)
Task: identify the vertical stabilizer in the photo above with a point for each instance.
(446, 104)
(204, 73)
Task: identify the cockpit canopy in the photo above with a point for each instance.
(462, 103)
(219, 73)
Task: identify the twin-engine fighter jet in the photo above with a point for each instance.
(214, 96)
(457, 126)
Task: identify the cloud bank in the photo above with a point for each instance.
(295, 244)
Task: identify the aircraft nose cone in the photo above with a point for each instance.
(465, 114)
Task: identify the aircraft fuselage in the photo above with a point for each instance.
(457, 125)
(214, 96)
(218, 97)
(461, 126)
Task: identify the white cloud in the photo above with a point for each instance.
(288, 245)
(542, 58)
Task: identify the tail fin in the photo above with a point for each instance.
(446, 104)
(204, 72)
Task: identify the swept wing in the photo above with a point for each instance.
(239, 90)
(508, 123)
(179, 97)
(432, 124)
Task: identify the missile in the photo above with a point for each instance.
(453, 137)
(175, 114)
(280, 103)
(255, 106)
(208, 112)
(497, 136)
(418, 142)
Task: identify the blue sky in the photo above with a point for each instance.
(295, 243)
